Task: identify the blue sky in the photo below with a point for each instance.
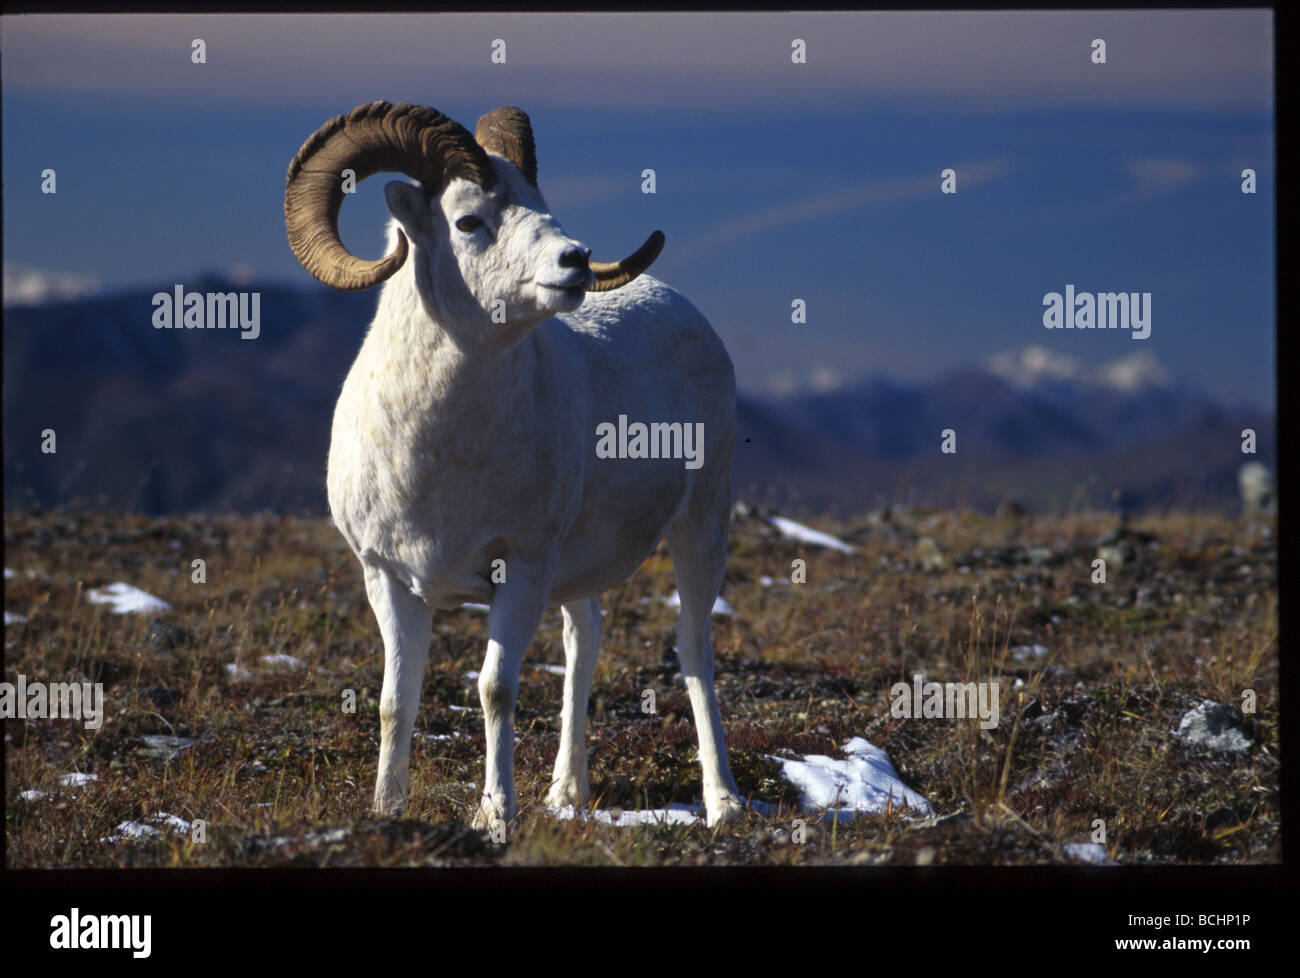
(775, 181)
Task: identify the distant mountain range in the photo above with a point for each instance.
(181, 420)
(1031, 425)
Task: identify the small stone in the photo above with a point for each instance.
(165, 746)
(1213, 726)
(930, 556)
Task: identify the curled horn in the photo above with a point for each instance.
(507, 132)
(414, 140)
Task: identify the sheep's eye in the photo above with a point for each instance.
(468, 224)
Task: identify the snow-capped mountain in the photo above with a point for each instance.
(1036, 367)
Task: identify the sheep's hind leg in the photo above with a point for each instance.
(569, 784)
(405, 623)
(516, 611)
(698, 548)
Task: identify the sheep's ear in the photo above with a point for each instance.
(409, 204)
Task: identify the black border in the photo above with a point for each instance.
(874, 917)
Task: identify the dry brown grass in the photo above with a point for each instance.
(1086, 729)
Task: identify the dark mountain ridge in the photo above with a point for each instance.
(181, 420)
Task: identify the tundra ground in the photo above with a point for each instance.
(1094, 679)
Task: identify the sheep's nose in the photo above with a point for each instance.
(575, 257)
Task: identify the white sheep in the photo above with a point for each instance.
(462, 463)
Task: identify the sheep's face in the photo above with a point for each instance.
(498, 251)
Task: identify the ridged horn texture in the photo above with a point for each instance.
(415, 140)
(507, 132)
(616, 274)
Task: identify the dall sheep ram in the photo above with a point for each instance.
(463, 462)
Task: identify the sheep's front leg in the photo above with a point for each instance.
(516, 611)
(569, 785)
(405, 623)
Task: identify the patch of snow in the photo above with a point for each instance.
(130, 830)
(1088, 852)
(328, 837)
(676, 814)
(12, 619)
(765, 581)
(281, 661)
(1133, 372)
(1023, 652)
(26, 285)
(864, 782)
(1033, 366)
(1028, 367)
(10, 574)
(74, 780)
(124, 599)
(473, 606)
(144, 830)
(462, 709)
(806, 534)
(173, 822)
(552, 669)
(238, 672)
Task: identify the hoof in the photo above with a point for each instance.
(728, 808)
(489, 814)
(564, 793)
